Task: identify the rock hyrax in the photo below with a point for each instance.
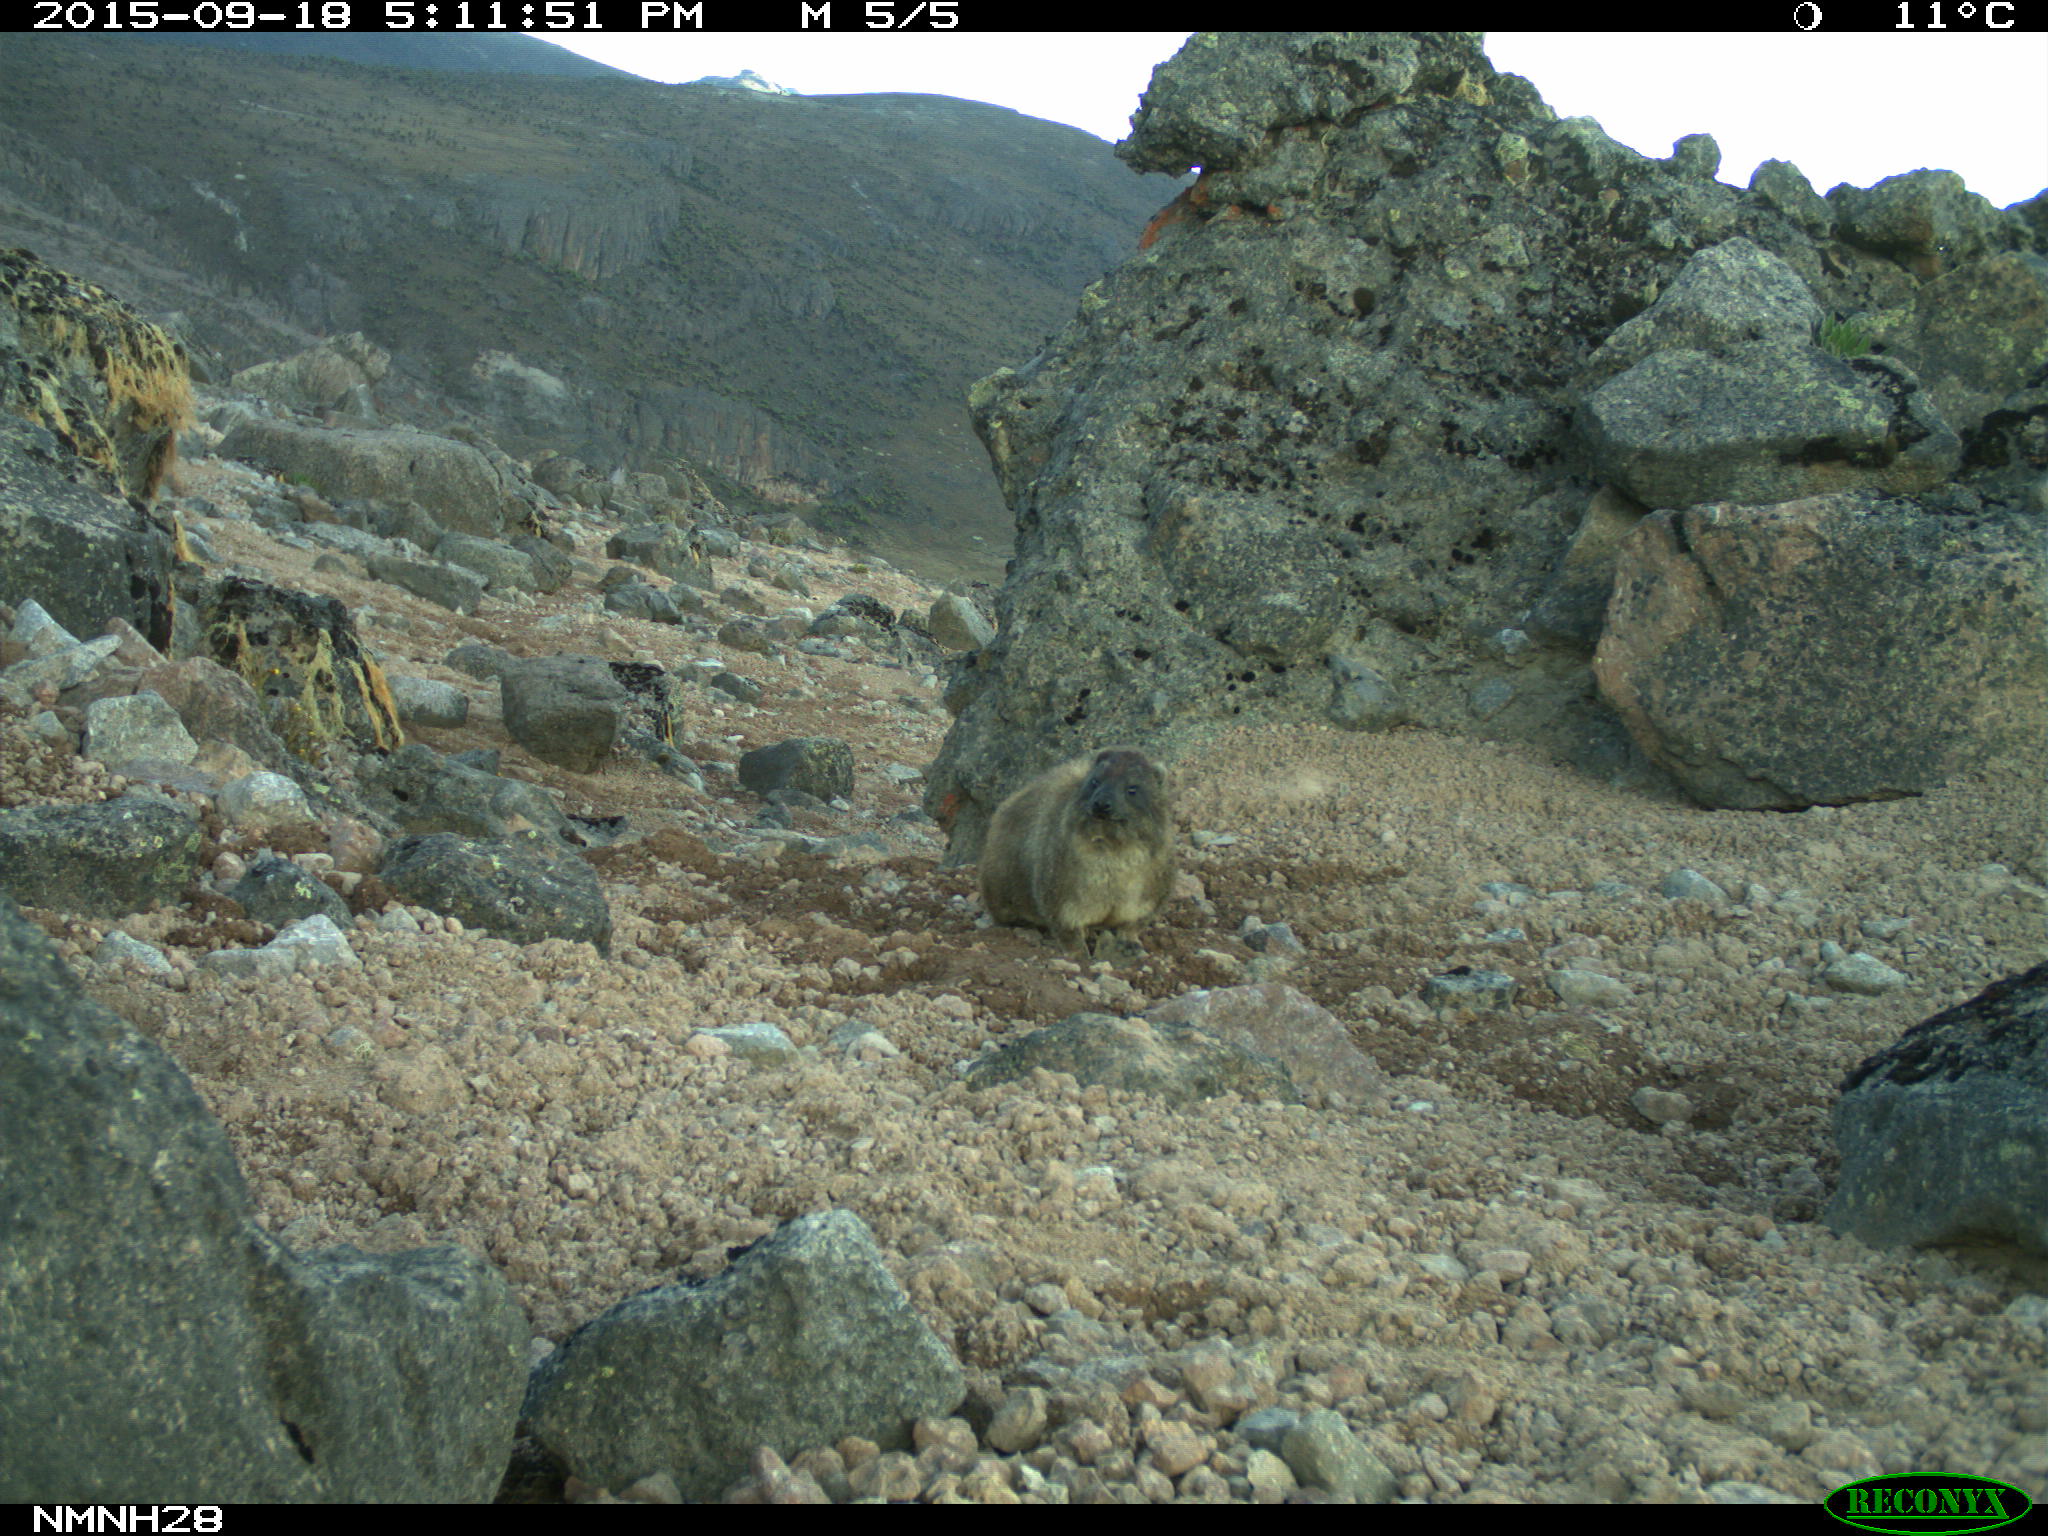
(1088, 844)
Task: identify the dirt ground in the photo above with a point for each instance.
(1511, 1282)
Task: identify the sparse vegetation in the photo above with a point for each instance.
(1844, 338)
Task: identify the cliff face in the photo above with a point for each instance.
(793, 291)
(1361, 436)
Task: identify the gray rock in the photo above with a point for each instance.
(1175, 1062)
(524, 891)
(551, 568)
(1361, 699)
(102, 860)
(1944, 1133)
(1763, 422)
(762, 1044)
(449, 585)
(1865, 975)
(423, 701)
(140, 1284)
(1280, 1023)
(1468, 988)
(1589, 989)
(637, 600)
(420, 791)
(36, 632)
(62, 668)
(1323, 1453)
(1928, 220)
(463, 487)
(957, 625)
(87, 557)
(745, 635)
(1827, 651)
(1724, 296)
(479, 660)
(502, 566)
(277, 892)
(259, 801)
(816, 765)
(745, 689)
(660, 547)
(309, 944)
(1691, 885)
(565, 710)
(117, 948)
(135, 728)
(806, 1339)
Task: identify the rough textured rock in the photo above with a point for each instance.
(337, 375)
(301, 655)
(103, 860)
(135, 728)
(1827, 651)
(661, 547)
(522, 890)
(1323, 445)
(1276, 1021)
(1177, 1062)
(419, 791)
(817, 765)
(957, 624)
(454, 587)
(499, 564)
(423, 701)
(637, 600)
(78, 362)
(84, 555)
(1944, 1133)
(157, 1342)
(277, 892)
(566, 710)
(462, 486)
(805, 1340)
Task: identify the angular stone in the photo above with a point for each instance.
(1278, 1022)
(524, 891)
(424, 701)
(136, 728)
(1829, 651)
(102, 860)
(804, 1341)
(565, 710)
(1944, 1133)
(816, 765)
(140, 1285)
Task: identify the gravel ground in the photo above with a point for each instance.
(1516, 1274)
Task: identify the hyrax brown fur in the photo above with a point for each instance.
(1086, 845)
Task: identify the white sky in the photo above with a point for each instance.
(1853, 107)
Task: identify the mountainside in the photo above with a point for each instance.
(793, 292)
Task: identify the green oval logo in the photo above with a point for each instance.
(1916, 1502)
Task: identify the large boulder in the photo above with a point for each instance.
(419, 791)
(805, 1340)
(337, 375)
(1827, 651)
(86, 556)
(465, 489)
(1354, 437)
(75, 360)
(158, 1346)
(1944, 1133)
(300, 654)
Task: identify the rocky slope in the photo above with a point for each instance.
(790, 292)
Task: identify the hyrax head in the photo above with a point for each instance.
(1122, 785)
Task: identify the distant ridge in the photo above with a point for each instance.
(474, 54)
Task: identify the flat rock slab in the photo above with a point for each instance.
(1176, 1062)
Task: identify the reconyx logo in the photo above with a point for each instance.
(1927, 1501)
